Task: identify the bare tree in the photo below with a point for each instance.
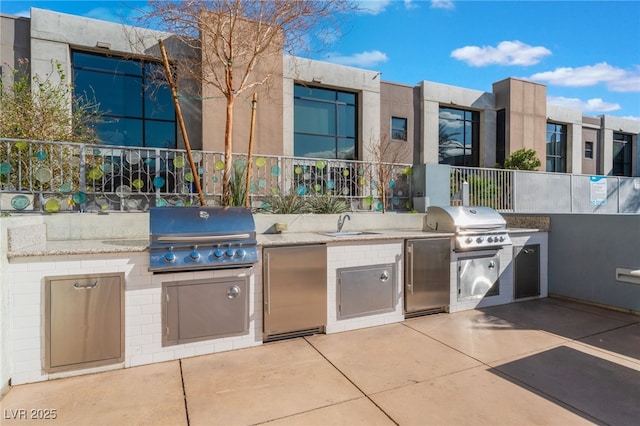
(385, 155)
(236, 42)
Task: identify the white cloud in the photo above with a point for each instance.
(442, 4)
(616, 79)
(22, 13)
(373, 7)
(590, 105)
(364, 59)
(506, 53)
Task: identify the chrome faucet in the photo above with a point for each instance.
(341, 220)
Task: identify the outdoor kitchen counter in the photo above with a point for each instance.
(294, 238)
(76, 247)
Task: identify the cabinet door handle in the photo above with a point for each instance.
(410, 251)
(267, 297)
(78, 286)
(528, 251)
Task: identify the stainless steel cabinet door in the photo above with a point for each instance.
(84, 321)
(205, 309)
(526, 271)
(427, 274)
(295, 288)
(366, 290)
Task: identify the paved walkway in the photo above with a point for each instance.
(538, 362)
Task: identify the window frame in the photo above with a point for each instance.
(339, 103)
(589, 150)
(403, 129)
(624, 167)
(140, 71)
(552, 157)
(470, 123)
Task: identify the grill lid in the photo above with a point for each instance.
(464, 218)
(200, 221)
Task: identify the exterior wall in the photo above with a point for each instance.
(584, 252)
(615, 124)
(591, 133)
(49, 36)
(572, 118)
(396, 100)
(268, 122)
(14, 43)
(525, 104)
(322, 74)
(54, 34)
(434, 95)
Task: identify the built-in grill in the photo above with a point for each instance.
(199, 238)
(475, 228)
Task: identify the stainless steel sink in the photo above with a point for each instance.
(348, 233)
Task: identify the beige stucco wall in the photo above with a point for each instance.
(591, 133)
(265, 80)
(525, 104)
(397, 100)
(14, 43)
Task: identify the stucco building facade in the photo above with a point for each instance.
(317, 108)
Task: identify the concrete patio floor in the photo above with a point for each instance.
(545, 362)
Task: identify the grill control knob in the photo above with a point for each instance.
(170, 257)
(490, 239)
(241, 252)
(230, 252)
(218, 253)
(501, 238)
(469, 240)
(194, 255)
(479, 240)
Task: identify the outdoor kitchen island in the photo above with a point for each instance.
(59, 246)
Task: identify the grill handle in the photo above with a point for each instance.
(202, 238)
(267, 300)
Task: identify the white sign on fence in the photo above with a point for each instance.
(598, 190)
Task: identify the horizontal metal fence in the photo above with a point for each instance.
(521, 191)
(54, 177)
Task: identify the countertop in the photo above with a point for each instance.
(81, 247)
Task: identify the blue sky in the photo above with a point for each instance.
(587, 53)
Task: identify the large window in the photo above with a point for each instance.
(324, 123)
(621, 154)
(458, 137)
(556, 147)
(135, 110)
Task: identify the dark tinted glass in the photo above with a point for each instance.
(160, 134)
(107, 64)
(314, 146)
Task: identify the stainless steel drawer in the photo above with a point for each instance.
(366, 290)
(84, 321)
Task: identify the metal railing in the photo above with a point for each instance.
(56, 176)
(518, 191)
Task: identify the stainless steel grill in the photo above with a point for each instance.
(475, 228)
(192, 238)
